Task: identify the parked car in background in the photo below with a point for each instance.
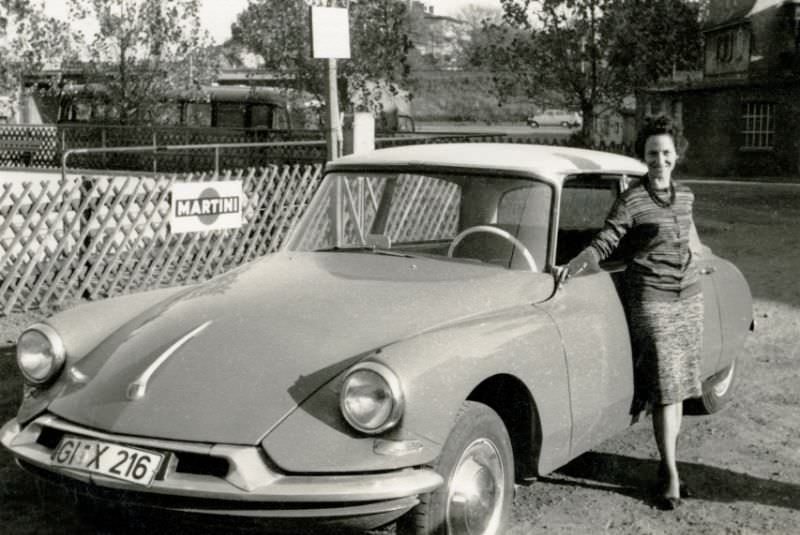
(556, 117)
(409, 354)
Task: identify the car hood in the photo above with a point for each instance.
(227, 360)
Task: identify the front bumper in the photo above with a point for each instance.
(224, 479)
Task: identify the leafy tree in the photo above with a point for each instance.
(655, 38)
(278, 31)
(29, 39)
(591, 52)
(475, 17)
(144, 51)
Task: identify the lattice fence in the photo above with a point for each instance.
(99, 236)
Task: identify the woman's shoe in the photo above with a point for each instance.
(685, 490)
(668, 503)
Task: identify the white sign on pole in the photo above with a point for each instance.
(330, 32)
(203, 206)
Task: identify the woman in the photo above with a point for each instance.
(663, 296)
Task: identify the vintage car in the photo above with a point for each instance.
(565, 118)
(410, 353)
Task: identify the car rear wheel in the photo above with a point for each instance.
(477, 464)
(533, 124)
(717, 392)
(565, 124)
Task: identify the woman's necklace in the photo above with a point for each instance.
(658, 200)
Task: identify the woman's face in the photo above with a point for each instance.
(660, 157)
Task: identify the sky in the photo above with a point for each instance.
(218, 15)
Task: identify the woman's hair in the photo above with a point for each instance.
(654, 126)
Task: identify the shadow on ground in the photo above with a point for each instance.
(636, 478)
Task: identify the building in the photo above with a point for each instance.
(615, 126)
(742, 116)
(440, 37)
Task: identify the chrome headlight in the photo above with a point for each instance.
(372, 398)
(40, 353)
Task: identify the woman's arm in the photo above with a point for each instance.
(617, 224)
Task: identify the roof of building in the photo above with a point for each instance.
(722, 82)
(551, 162)
(727, 13)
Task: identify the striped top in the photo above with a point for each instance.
(661, 265)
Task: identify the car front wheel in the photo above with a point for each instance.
(717, 392)
(477, 464)
(533, 124)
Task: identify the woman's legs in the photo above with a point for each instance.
(666, 427)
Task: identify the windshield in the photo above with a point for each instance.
(422, 214)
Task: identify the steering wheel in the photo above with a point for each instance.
(497, 232)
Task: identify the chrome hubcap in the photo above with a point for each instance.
(722, 387)
(476, 491)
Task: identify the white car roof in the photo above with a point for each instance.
(544, 161)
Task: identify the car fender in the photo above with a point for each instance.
(439, 370)
(84, 327)
(736, 309)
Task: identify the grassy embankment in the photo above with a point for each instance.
(464, 97)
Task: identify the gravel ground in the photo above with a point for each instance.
(743, 464)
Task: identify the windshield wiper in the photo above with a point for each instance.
(375, 250)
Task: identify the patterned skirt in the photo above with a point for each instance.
(667, 341)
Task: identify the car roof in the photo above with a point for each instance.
(548, 162)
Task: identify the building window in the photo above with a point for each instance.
(725, 47)
(759, 125)
(797, 28)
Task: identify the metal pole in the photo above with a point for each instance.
(333, 112)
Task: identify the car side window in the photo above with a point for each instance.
(585, 203)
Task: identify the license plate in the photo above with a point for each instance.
(112, 460)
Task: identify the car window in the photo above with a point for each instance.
(424, 214)
(585, 203)
(585, 207)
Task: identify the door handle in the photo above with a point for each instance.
(707, 270)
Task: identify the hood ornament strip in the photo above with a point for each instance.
(138, 388)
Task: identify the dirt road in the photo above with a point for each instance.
(743, 464)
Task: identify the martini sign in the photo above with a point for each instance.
(203, 206)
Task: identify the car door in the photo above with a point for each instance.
(591, 319)
(594, 334)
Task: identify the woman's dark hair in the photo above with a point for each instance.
(654, 126)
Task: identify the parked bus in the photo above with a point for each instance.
(212, 106)
(86, 116)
